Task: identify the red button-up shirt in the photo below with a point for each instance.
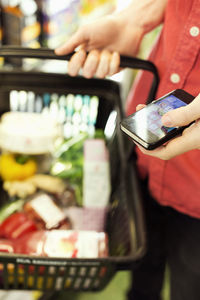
(176, 182)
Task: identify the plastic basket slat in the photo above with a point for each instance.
(35, 274)
(44, 285)
(25, 277)
(54, 278)
(65, 278)
(74, 277)
(5, 276)
(16, 277)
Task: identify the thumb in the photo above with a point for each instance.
(183, 115)
(76, 40)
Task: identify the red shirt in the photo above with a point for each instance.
(176, 182)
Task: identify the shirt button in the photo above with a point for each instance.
(194, 31)
(175, 78)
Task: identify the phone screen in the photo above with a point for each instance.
(147, 122)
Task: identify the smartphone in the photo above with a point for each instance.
(145, 126)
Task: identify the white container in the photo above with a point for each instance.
(96, 174)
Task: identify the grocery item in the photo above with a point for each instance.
(16, 225)
(77, 244)
(45, 213)
(31, 244)
(6, 246)
(28, 133)
(48, 183)
(9, 208)
(21, 189)
(12, 169)
(87, 218)
(63, 243)
(68, 163)
(29, 186)
(96, 174)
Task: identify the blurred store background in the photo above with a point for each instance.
(49, 23)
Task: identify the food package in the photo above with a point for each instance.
(16, 225)
(96, 174)
(45, 213)
(28, 133)
(63, 243)
(87, 218)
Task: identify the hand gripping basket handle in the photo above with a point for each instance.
(45, 53)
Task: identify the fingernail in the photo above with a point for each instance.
(166, 120)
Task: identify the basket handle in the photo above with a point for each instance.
(46, 53)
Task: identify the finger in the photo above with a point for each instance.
(189, 140)
(183, 115)
(103, 66)
(140, 106)
(80, 37)
(91, 64)
(76, 62)
(114, 63)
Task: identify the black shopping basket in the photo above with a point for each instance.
(125, 224)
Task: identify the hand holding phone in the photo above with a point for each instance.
(145, 126)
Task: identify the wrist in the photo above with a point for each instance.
(144, 15)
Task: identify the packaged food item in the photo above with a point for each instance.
(16, 225)
(6, 246)
(28, 133)
(45, 213)
(87, 218)
(96, 174)
(31, 244)
(76, 244)
(63, 243)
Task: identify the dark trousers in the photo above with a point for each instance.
(172, 238)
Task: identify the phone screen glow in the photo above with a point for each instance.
(148, 120)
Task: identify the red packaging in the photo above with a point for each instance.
(31, 244)
(45, 213)
(6, 246)
(63, 243)
(16, 225)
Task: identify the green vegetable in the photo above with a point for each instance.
(10, 208)
(68, 161)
